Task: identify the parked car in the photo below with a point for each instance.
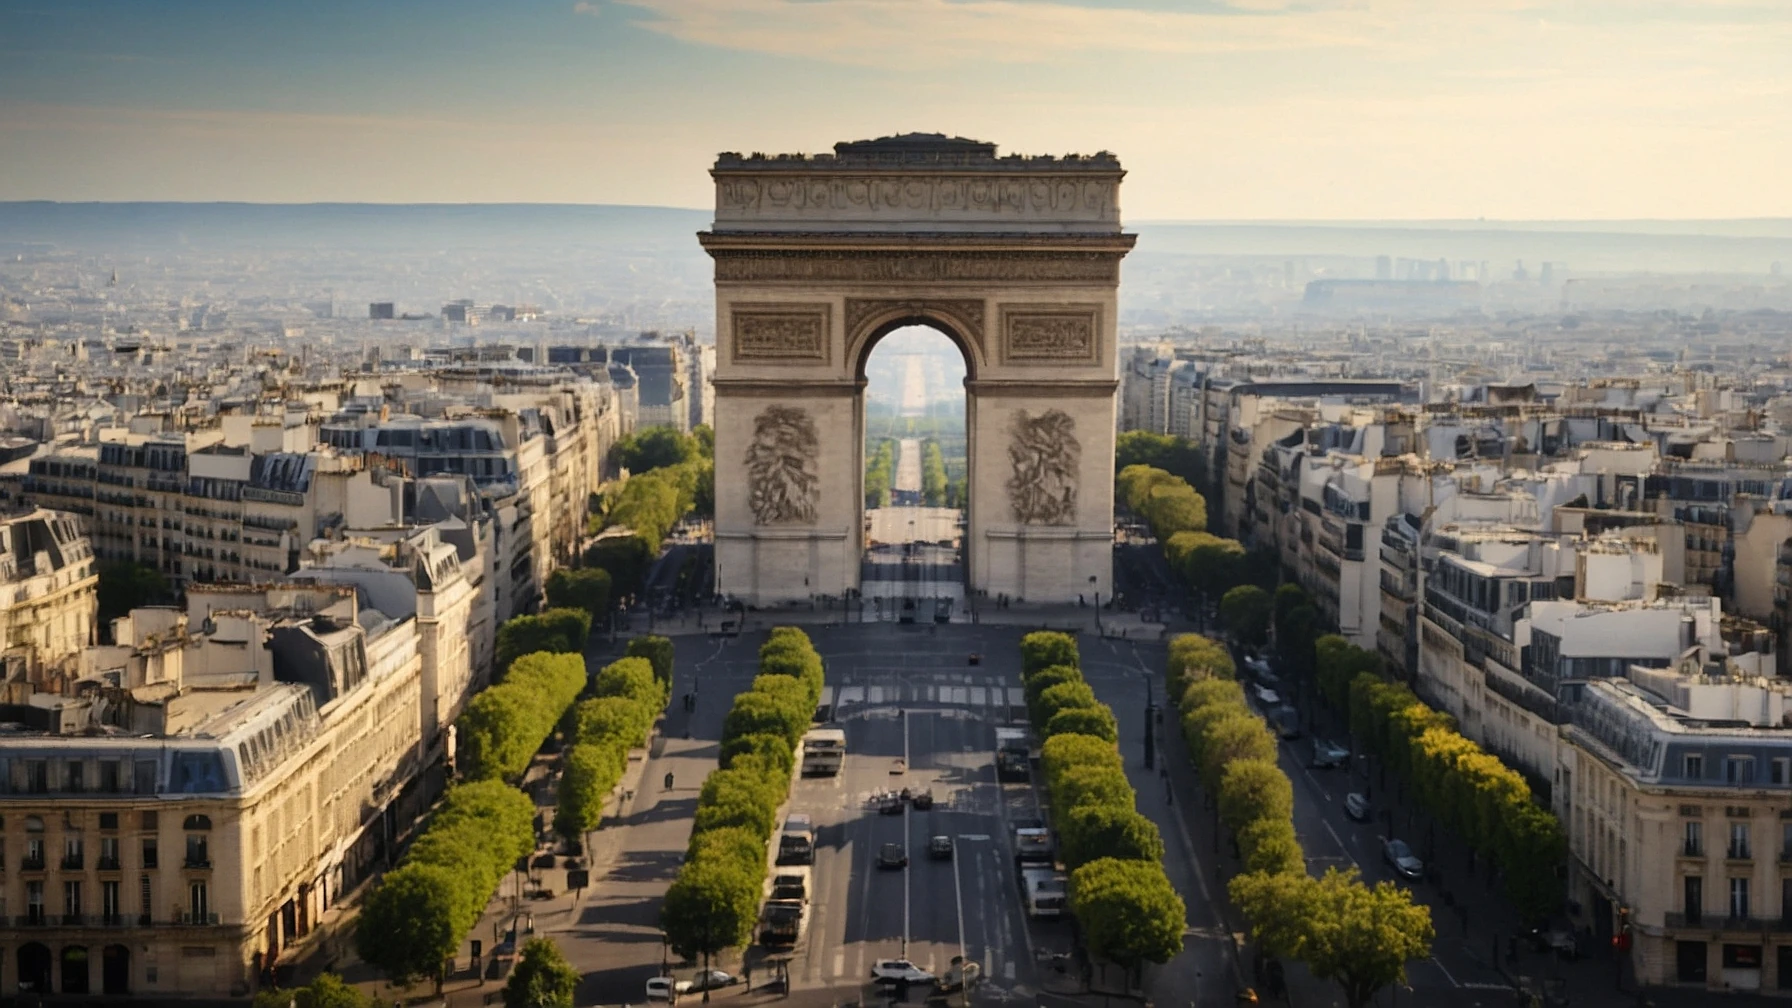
(714, 979)
(1356, 806)
(664, 988)
(1328, 755)
(1266, 696)
(939, 848)
(899, 969)
(1558, 939)
(921, 800)
(1400, 857)
(890, 803)
(891, 855)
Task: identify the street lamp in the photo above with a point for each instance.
(1093, 582)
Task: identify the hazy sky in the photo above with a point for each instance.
(1247, 109)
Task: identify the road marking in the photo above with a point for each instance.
(1445, 972)
(908, 877)
(1335, 839)
(973, 836)
(958, 896)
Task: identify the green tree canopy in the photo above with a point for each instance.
(1177, 456)
(1358, 936)
(1127, 911)
(590, 772)
(124, 586)
(1045, 648)
(325, 991)
(412, 921)
(1090, 832)
(1061, 697)
(655, 448)
(542, 978)
(1253, 789)
(1247, 610)
(710, 907)
(657, 650)
(1097, 721)
(586, 588)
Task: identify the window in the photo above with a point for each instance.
(1693, 895)
(37, 776)
(71, 902)
(145, 892)
(109, 853)
(109, 778)
(1695, 766)
(1739, 898)
(1781, 771)
(108, 820)
(198, 854)
(74, 780)
(149, 852)
(34, 902)
(34, 853)
(1739, 840)
(1694, 845)
(109, 902)
(198, 906)
(147, 820)
(73, 853)
(1739, 769)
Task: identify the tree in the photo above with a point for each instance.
(560, 631)
(773, 751)
(325, 991)
(1345, 931)
(1288, 597)
(880, 467)
(1247, 610)
(412, 922)
(1295, 634)
(655, 448)
(711, 907)
(1091, 785)
(633, 679)
(1128, 911)
(1046, 678)
(125, 586)
(1337, 663)
(1045, 648)
(1097, 721)
(1177, 456)
(657, 650)
(625, 557)
(586, 588)
(542, 978)
(1252, 789)
(933, 473)
(761, 712)
(1061, 697)
(1091, 832)
(590, 772)
(1211, 565)
(1238, 735)
(612, 719)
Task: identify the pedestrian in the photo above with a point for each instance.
(746, 977)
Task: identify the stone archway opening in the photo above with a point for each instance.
(916, 467)
(35, 968)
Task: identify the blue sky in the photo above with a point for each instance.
(1246, 109)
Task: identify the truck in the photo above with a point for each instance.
(824, 749)
(789, 883)
(1013, 752)
(796, 844)
(781, 922)
(1045, 889)
(1032, 842)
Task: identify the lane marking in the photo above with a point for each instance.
(1445, 972)
(958, 896)
(1328, 828)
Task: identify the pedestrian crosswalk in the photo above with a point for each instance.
(989, 696)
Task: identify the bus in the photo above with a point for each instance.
(1045, 889)
(823, 751)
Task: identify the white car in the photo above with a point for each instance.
(664, 988)
(1267, 697)
(714, 979)
(899, 969)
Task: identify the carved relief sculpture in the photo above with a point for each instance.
(780, 332)
(782, 483)
(1046, 457)
(1053, 337)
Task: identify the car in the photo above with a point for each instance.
(714, 979)
(892, 855)
(939, 848)
(1266, 696)
(1400, 857)
(664, 988)
(1559, 940)
(921, 800)
(890, 803)
(899, 969)
(1356, 806)
(976, 658)
(1328, 755)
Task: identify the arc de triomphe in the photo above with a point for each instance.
(1016, 259)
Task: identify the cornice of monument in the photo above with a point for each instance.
(908, 153)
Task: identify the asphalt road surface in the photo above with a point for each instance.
(918, 716)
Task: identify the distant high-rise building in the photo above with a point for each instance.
(382, 310)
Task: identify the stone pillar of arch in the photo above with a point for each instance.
(1016, 260)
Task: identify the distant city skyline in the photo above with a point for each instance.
(1220, 109)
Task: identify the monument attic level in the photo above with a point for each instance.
(1016, 259)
